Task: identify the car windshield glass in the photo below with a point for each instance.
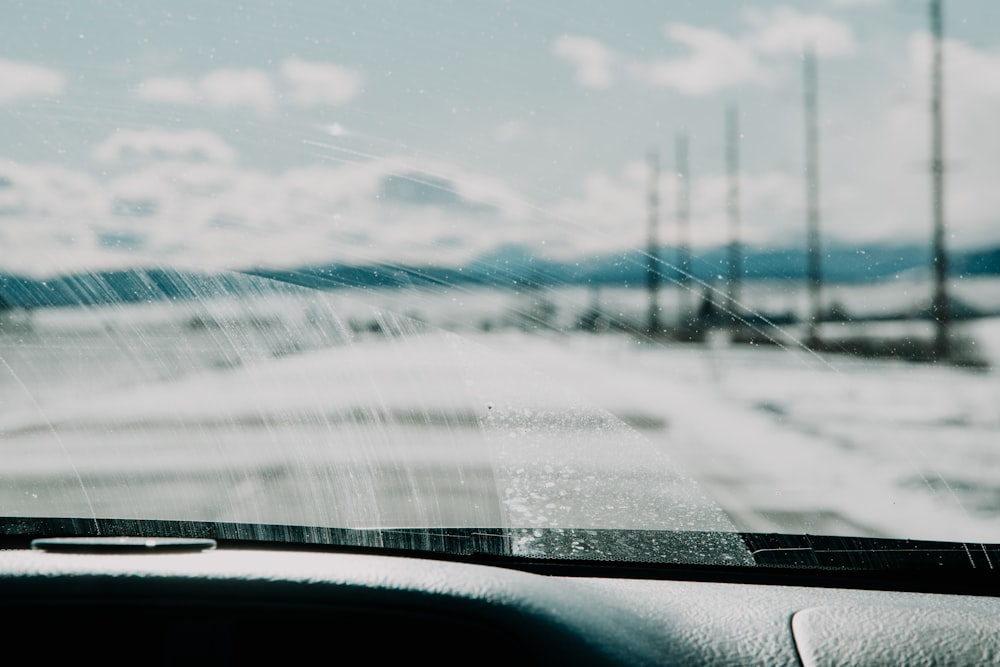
(678, 267)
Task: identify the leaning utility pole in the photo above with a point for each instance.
(813, 275)
(733, 210)
(939, 307)
(652, 244)
(685, 307)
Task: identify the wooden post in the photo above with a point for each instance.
(813, 267)
(733, 209)
(653, 245)
(939, 307)
(685, 303)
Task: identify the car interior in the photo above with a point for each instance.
(802, 601)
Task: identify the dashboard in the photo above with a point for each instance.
(222, 605)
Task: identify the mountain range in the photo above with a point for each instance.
(510, 267)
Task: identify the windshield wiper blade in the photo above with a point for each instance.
(869, 553)
(494, 544)
(793, 559)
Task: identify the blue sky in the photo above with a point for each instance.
(239, 134)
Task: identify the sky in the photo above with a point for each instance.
(250, 134)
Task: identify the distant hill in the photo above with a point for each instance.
(107, 287)
(510, 267)
(514, 266)
(977, 263)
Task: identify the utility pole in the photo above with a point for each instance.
(683, 226)
(733, 210)
(652, 244)
(813, 269)
(939, 307)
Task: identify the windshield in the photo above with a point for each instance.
(645, 268)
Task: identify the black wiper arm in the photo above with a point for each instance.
(869, 553)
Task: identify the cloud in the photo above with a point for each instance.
(592, 59)
(172, 206)
(611, 207)
(715, 61)
(219, 89)
(231, 88)
(892, 154)
(609, 204)
(309, 84)
(327, 213)
(968, 70)
(20, 81)
(49, 190)
(337, 130)
(786, 31)
(856, 3)
(315, 84)
(876, 168)
(153, 144)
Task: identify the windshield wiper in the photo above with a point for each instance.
(766, 558)
(869, 553)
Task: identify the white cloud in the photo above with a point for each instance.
(592, 59)
(219, 214)
(325, 213)
(309, 84)
(609, 204)
(786, 31)
(50, 190)
(337, 130)
(20, 81)
(320, 83)
(875, 168)
(219, 89)
(716, 61)
(893, 183)
(155, 144)
(968, 71)
(228, 88)
(855, 3)
(611, 207)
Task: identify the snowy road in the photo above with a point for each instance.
(181, 418)
(787, 441)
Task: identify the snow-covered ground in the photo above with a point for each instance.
(339, 409)
(788, 441)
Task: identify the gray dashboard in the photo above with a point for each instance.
(260, 605)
